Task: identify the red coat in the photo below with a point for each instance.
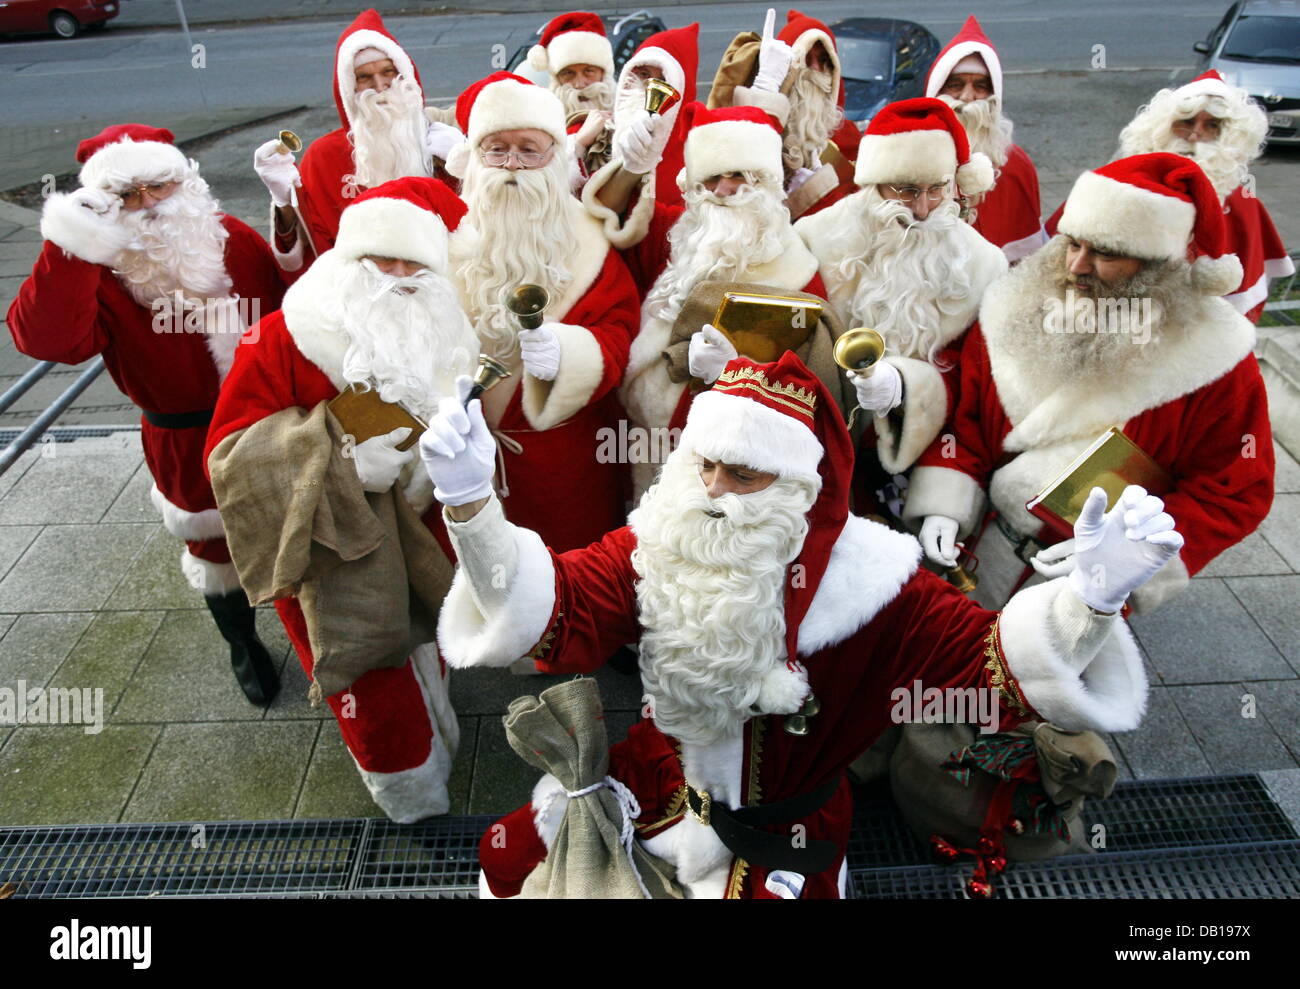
(325, 191)
(1009, 215)
(69, 310)
(1255, 241)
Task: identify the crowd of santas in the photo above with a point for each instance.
(395, 245)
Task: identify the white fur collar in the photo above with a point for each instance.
(1211, 344)
(868, 567)
(313, 320)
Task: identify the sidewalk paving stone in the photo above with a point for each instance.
(1273, 602)
(333, 787)
(58, 774)
(71, 567)
(14, 540)
(1206, 636)
(1250, 557)
(76, 483)
(1286, 477)
(1282, 528)
(1230, 741)
(109, 652)
(1279, 702)
(36, 645)
(485, 691)
(227, 771)
(1163, 746)
(133, 503)
(154, 578)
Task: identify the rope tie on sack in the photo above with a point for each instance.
(504, 442)
(627, 803)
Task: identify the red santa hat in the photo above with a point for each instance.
(801, 32)
(503, 101)
(406, 218)
(125, 153)
(572, 39)
(920, 140)
(970, 40)
(1155, 207)
(779, 417)
(1206, 84)
(365, 35)
(730, 139)
(675, 53)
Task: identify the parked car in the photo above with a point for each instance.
(1257, 47)
(882, 60)
(626, 34)
(66, 18)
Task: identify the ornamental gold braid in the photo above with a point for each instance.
(800, 400)
(999, 676)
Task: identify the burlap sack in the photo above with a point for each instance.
(1073, 765)
(562, 732)
(738, 67)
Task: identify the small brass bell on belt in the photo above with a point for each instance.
(797, 724)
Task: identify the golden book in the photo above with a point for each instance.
(1111, 462)
(363, 414)
(763, 327)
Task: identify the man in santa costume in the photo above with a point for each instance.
(733, 228)
(754, 595)
(1222, 129)
(670, 56)
(140, 265)
(797, 79)
(574, 51)
(896, 257)
(1109, 325)
(967, 76)
(524, 227)
(376, 311)
(384, 134)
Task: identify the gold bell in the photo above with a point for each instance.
(811, 707)
(659, 96)
(528, 303)
(290, 143)
(489, 372)
(796, 724)
(962, 579)
(859, 349)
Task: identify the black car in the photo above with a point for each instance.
(882, 60)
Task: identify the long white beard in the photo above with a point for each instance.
(409, 337)
(1115, 345)
(1222, 165)
(718, 239)
(525, 229)
(711, 595)
(814, 116)
(628, 102)
(594, 96)
(180, 244)
(387, 134)
(906, 278)
(988, 129)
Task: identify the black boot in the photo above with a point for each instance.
(254, 668)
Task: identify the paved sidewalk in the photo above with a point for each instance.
(91, 596)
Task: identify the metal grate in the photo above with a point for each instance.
(66, 434)
(1248, 871)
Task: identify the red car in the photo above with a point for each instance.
(64, 17)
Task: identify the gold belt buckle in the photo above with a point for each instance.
(706, 801)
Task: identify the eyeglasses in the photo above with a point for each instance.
(134, 196)
(526, 159)
(909, 193)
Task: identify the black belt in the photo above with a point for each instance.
(1025, 547)
(738, 830)
(178, 420)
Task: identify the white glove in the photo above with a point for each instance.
(1055, 561)
(774, 58)
(1116, 552)
(640, 144)
(458, 449)
(439, 139)
(540, 349)
(939, 539)
(881, 390)
(379, 461)
(85, 224)
(709, 353)
(277, 171)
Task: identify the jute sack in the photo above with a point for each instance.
(595, 854)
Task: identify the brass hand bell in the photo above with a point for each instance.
(290, 143)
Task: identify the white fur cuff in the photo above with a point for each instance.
(777, 104)
(190, 526)
(1043, 655)
(212, 579)
(944, 491)
(925, 409)
(582, 365)
(621, 233)
(80, 232)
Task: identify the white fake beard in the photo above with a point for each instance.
(628, 101)
(525, 230)
(814, 116)
(909, 274)
(387, 134)
(595, 96)
(719, 239)
(409, 337)
(988, 129)
(180, 244)
(711, 595)
(1115, 347)
(1221, 165)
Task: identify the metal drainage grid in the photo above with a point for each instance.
(66, 434)
(1139, 814)
(1268, 870)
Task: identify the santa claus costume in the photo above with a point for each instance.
(1047, 373)
(524, 227)
(674, 57)
(397, 722)
(745, 237)
(576, 38)
(384, 134)
(1009, 214)
(917, 282)
(819, 145)
(750, 608)
(1249, 229)
(164, 293)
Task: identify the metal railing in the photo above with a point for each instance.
(24, 441)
